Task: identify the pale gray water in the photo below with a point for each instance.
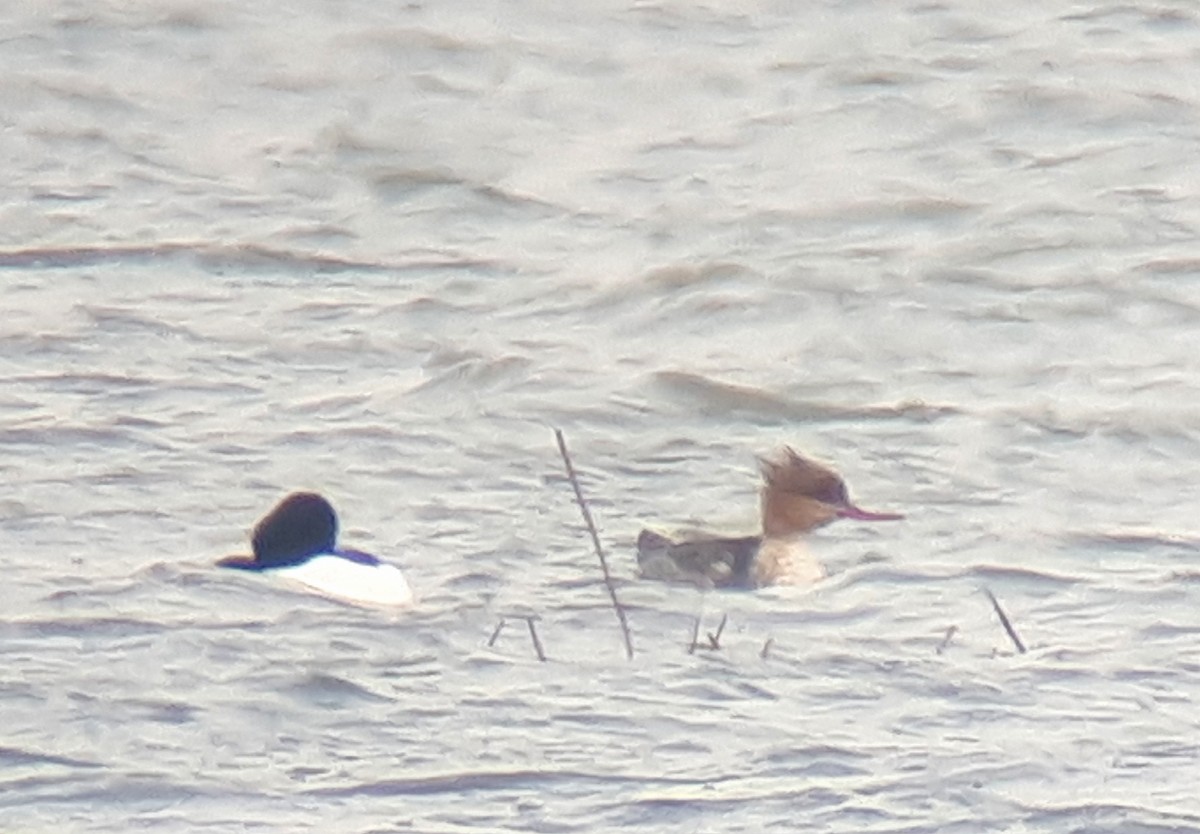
(381, 250)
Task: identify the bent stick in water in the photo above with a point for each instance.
(714, 640)
(591, 525)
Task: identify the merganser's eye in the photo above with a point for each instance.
(833, 493)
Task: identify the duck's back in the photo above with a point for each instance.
(709, 562)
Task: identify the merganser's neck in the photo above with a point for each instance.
(785, 560)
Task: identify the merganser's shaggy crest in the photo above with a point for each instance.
(798, 495)
(298, 540)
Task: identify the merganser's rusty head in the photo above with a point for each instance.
(800, 494)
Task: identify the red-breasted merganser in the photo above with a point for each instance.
(798, 495)
(297, 540)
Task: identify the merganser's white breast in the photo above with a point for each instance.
(786, 560)
(350, 579)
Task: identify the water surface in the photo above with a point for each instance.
(382, 251)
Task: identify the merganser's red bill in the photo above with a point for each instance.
(859, 514)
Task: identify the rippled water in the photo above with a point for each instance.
(381, 251)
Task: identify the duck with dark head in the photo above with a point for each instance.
(297, 540)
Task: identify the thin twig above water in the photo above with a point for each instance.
(695, 636)
(950, 632)
(591, 525)
(537, 643)
(714, 640)
(533, 635)
(496, 634)
(1004, 621)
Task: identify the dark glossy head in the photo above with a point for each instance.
(301, 525)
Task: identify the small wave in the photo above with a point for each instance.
(1172, 266)
(485, 781)
(877, 572)
(1132, 539)
(476, 372)
(1126, 423)
(680, 276)
(1004, 573)
(13, 756)
(91, 627)
(1162, 630)
(332, 692)
(242, 256)
(726, 397)
(111, 318)
(731, 792)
